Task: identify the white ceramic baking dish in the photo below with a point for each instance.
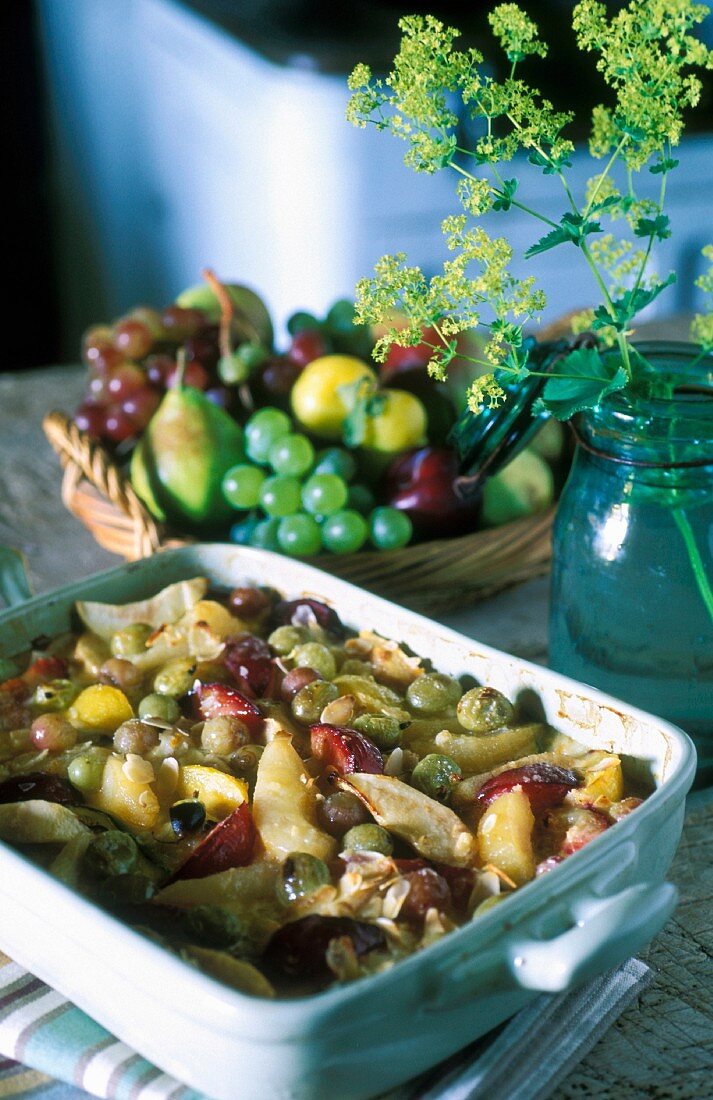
(351, 1042)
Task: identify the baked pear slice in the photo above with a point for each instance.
(285, 804)
(431, 828)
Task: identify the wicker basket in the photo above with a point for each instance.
(431, 577)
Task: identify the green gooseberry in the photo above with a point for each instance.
(302, 874)
(111, 853)
(285, 638)
(131, 640)
(436, 776)
(483, 709)
(310, 701)
(156, 705)
(368, 838)
(432, 693)
(382, 729)
(316, 656)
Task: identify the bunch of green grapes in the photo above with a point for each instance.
(301, 502)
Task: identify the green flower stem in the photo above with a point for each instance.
(570, 196)
(700, 357)
(513, 370)
(624, 349)
(441, 337)
(694, 556)
(600, 281)
(513, 201)
(466, 358)
(610, 164)
(563, 180)
(181, 364)
(621, 338)
(649, 246)
(587, 254)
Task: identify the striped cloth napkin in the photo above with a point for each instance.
(49, 1048)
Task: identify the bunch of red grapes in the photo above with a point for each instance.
(134, 361)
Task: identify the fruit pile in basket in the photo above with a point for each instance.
(310, 449)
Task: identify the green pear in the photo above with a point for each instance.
(245, 300)
(188, 447)
(522, 488)
(142, 480)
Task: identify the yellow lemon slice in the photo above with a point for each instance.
(219, 792)
(100, 708)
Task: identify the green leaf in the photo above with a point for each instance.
(450, 148)
(351, 392)
(633, 302)
(579, 227)
(572, 227)
(354, 427)
(517, 368)
(355, 396)
(630, 129)
(301, 321)
(581, 381)
(550, 166)
(541, 162)
(604, 319)
(645, 295)
(658, 227)
(550, 240)
(365, 402)
(510, 332)
(664, 166)
(504, 200)
(375, 404)
(608, 203)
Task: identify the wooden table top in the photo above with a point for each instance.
(662, 1047)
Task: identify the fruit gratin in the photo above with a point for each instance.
(284, 802)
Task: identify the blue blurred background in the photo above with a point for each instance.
(155, 137)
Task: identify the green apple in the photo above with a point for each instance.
(549, 441)
(246, 301)
(524, 487)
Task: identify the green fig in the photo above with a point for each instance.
(247, 303)
(188, 447)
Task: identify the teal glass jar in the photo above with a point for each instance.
(632, 578)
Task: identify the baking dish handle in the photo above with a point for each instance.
(606, 933)
(14, 585)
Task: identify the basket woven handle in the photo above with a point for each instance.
(82, 457)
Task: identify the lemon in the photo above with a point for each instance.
(400, 425)
(219, 792)
(320, 397)
(100, 708)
